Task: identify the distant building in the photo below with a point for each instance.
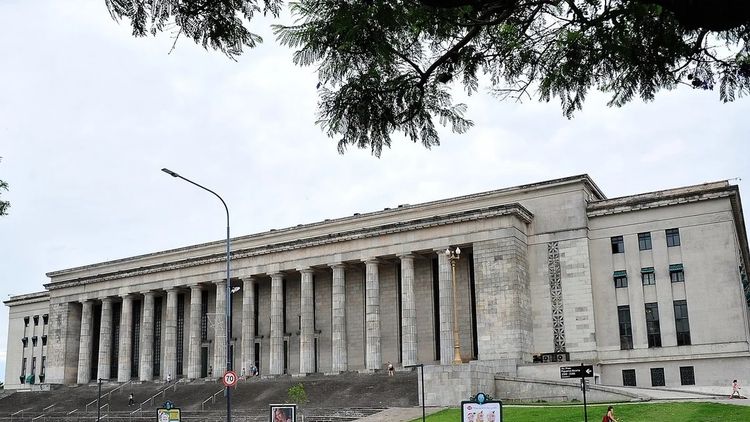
(650, 288)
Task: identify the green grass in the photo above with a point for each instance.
(653, 412)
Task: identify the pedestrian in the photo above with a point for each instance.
(254, 371)
(735, 390)
(391, 371)
(130, 400)
(210, 371)
(610, 416)
(169, 378)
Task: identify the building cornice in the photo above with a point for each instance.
(27, 299)
(513, 209)
(659, 199)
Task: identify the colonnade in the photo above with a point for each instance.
(169, 326)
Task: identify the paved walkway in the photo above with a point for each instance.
(399, 414)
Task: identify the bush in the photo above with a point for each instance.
(296, 394)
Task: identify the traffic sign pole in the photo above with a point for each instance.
(583, 384)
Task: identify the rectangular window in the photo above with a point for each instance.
(628, 377)
(626, 329)
(36, 320)
(673, 237)
(681, 322)
(621, 279)
(657, 377)
(23, 371)
(676, 273)
(653, 330)
(204, 315)
(648, 277)
(44, 365)
(618, 246)
(25, 321)
(33, 366)
(644, 241)
(45, 319)
(687, 375)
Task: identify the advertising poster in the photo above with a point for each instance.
(485, 412)
(283, 413)
(168, 415)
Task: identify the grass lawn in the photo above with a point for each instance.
(652, 412)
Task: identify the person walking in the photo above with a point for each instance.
(391, 371)
(131, 401)
(735, 390)
(610, 416)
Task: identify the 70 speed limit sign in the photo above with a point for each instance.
(229, 379)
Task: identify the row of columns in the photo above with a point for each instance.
(373, 358)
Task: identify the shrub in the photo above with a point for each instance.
(296, 394)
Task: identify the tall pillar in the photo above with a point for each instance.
(170, 337)
(220, 330)
(338, 316)
(194, 348)
(248, 324)
(146, 349)
(276, 360)
(307, 324)
(105, 339)
(408, 312)
(445, 295)
(126, 340)
(373, 360)
(86, 343)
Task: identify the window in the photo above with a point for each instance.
(628, 377)
(36, 320)
(618, 246)
(681, 322)
(25, 342)
(23, 371)
(33, 366)
(644, 241)
(33, 341)
(687, 375)
(44, 340)
(25, 321)
(621, 279)
(676, 273)
(653, 330)
(657, 377)
(626, 329)
(44, 365)
(673, 237)
(647, 276)
(45, 319)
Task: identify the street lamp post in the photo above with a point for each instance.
(453, 256)
(228, 307)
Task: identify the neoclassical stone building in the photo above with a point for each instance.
(647, 287)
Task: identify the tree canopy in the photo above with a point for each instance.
(4, 205)
(388, 66)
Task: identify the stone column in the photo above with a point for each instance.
(194, 348)
(86, 343)
(248, 324)
(105, 339)
(170, 337)
(276, 360)
(124, 363)
(338, 319)
(146, 365)
(408, 312)
(307, 324)
(220, 330)
(373, 360)
(445, 295)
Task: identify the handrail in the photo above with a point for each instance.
(212, 398)
(163, 391)
(40, 416)
(49, 407)
(108, 394)
(20, 411)
(71, 412)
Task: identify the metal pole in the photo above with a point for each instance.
(228, 307)
(456, 339)
(583, 385)
(421, 366)
(98, 397)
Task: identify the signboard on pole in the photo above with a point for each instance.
(229, 379)
(582, 371)
(481, 408)
(168, 415)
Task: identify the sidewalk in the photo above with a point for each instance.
(399, 414)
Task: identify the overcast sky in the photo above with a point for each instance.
(89, 115)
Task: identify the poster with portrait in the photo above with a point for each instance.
(486, 412)
(283, 413)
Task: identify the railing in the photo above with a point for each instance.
(19, 412)
(151, 399)
(212, 399)
(107, 395)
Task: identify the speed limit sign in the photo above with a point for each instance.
(229, 379)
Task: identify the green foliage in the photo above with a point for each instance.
(662, 412)
(4, 205)
(296, 394)
(389, 66)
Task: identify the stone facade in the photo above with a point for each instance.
(535, 289)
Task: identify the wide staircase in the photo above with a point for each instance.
(340, 398)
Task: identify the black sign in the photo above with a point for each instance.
(583, 371)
